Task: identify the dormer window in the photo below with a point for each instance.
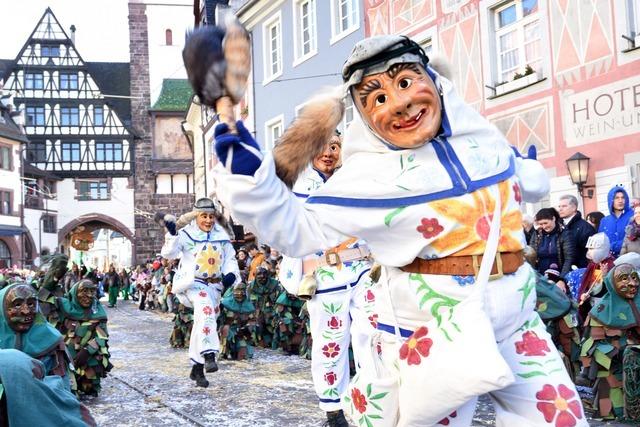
(50, 51)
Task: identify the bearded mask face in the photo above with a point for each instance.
(401, 105)
(20, 307)
(626, 281)
(86, 293)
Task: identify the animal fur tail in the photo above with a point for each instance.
(306, 137)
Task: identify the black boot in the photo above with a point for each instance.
(210, 364)
(197, 375)
(336, 419)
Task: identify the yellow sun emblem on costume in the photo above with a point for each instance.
(474, 222)
(209, 261)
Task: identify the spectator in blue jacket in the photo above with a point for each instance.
(613, 225)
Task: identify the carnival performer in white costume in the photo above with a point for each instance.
(207, 265)
(430, 185)
(341, 299)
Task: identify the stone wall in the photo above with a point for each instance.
(148, 235)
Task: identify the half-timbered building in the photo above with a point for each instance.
(77, 118)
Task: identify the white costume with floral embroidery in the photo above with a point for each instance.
(433, 201)
(203, 256)
(340, 312)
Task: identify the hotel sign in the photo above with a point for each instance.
(602, 113)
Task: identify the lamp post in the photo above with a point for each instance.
(578, 166)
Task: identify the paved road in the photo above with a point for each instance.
(149, 385)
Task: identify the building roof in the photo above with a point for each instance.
(5, 67)
(35, 172)
(113, 78)
(8, 128)
(174, 96)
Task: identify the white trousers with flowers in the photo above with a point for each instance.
(338, 318)
(205, 300)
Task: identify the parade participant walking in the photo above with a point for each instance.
(340, 307)
(113, 280)
(428, 183)
(263, 293)
(207, 264)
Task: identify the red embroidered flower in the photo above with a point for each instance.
(206, 330)
(373, 319)
(483, 225)
(207, 310)
(429, 228)
(516, 193)
(330, 377)
(334, 323)
(560, 402)
(369, 296)
(415, 346)
(445, 421)
(531, 345)
(331, 350)
(359, 401)
(202, 294)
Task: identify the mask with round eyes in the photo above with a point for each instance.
(86, 293)
(20, 307)
(402, 105)
(327, 161)
(626, 281)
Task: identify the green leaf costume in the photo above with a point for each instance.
(86, 336)
(264, 299)
(182, 325)
(237, 327)
(288, 326)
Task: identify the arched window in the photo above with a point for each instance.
(5, 255)
(168, 37)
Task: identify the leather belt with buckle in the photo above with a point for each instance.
(467, 265)
(334, 258)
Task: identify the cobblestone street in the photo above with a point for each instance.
(149, 385)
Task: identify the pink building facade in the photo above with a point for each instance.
(563, 75)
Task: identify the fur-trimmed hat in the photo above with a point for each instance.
(204, 204)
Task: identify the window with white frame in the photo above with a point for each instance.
(306, 35)
(348, 112)
(345, 16)
(518, 43)
(273, 131)
(427, 46)
(273, 48)
(633, 20)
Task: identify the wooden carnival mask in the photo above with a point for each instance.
(86, 293)
(20, 307)
(626, 281)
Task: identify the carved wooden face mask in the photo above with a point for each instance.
(20, 307)
(86, 293)
(626, 281)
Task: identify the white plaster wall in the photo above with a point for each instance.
(166, 61)
(32, 223)
(10, 180)
(119, 207)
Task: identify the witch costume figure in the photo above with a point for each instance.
(51, 286)
(84, 326)
(207, 265)
(263, 293)
(237, 332)
(430, 185)
(612, 332)
(31, 397)
(23, 327)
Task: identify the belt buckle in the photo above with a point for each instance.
(498, 262)
(332, 258)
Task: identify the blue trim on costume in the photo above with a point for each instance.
(324, 178)
(203, 241)
(323, 400)
(301, 195)
(343, 287)
(404, 333)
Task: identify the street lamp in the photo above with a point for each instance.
(578, 166)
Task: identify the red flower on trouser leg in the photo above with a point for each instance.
(429, 227)
(334, 323)
(206, 330)
(445, 421)
(373, 319)
(207, 310)
(369, 296)
(331, 350)
(531, 345)
(330, 378)
(359, 401)
(516, 193)
(561, 402)
(415, 346)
